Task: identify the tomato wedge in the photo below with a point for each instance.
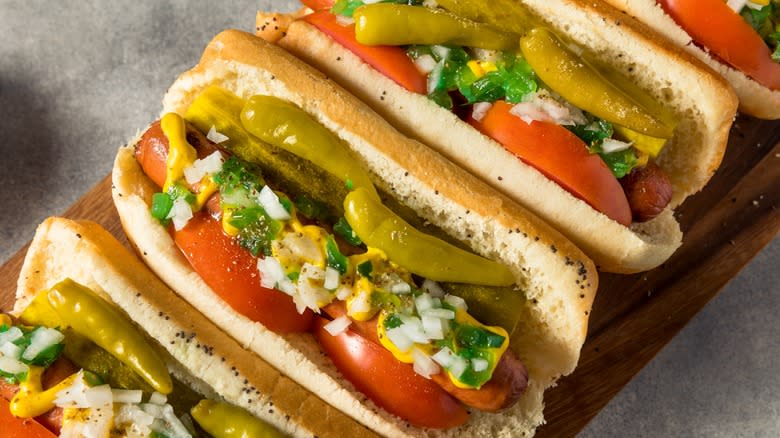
(388, 60)
(231, 272)
(559, 155)
(13, 427)
(713, 24)
(391, 384)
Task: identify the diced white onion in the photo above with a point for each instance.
(434, 327)
(486, 54)
(413, 329)
(400, 288)
(201, 167)
(611, 145)
(542, 106)
(433, 288)
(456, 302)
(441, 51)
(399, 339)
(158, 399)
(310, 288)
(343, 292)
(754, 5)
(423, 364)
(126, 395)
(344, 21)
(425, 63)
(439, 313)
(271, 272)
(180, 213)
(176, 427)
(298, 248)
(12, 366)
(737, 5)
(458, 366)
(42, 338)
(338, 325)
(10, 335)
(361, 303)
(480, 109)
(479, 364)
(270, 203)
(11, 350)
(215, 136)
(155, 411)
(444, 357)
(423, 302)
(134, 417)
(331, 278)
(434, 76)
(98, 396)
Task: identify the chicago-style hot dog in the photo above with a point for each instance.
(85, 302)
(738, 39)
(546, 107)
(501, 299)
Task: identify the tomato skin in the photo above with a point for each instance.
(231, 272)
(713, 24)
(559, 155)
(391, 384)
(13, 427)
(389, 60)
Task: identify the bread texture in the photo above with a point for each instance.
(195, 350)
(702, 99)
(754, 98)
(556, 279)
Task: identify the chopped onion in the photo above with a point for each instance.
(444, 357)
(542, 106)
(9, 349)
(479, 364)
(338, 325)
(413, 329)
(458, 366)
(439, 313)
(361, 303)
(343, 292)
(12, 366)
(42, 338)
(455, 301)
(180, 213)
(126, 395)
(98, 396)
(215, 136)
(432, 288)
(344, 21)
(270, 203)
(271, 272)
(400, 288)
(133, 415)
(423, 364)
(435, 76)
(399, 339)
(331, 278)
(423, 302)
(310, 287)
(202, 167)
(737, 5)
(174, 423)
(10, 335)
(434, 328)
(441, 51)
(158, 399)
(425, 63)
(155, 411)
(480, 109)
(611, 145)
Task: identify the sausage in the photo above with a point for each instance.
(648, 191)
(509, 381)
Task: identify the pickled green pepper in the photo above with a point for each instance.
(222, 420)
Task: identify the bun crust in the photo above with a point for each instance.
(703, 99)
(754, 98)
(88, 254)
(557, 280)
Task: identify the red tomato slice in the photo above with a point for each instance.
(713, 24)
(13, 427)
(388, 60)
(317, 4)
(231, 272)
(561, 156)
(389, 383)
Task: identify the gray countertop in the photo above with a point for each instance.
(77, 79)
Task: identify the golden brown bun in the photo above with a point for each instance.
(557, 280)
(703, 99)
(215, 363)
(754, 98)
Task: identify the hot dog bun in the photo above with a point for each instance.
(558, 281)
(754, 98)
(703, 100)
(208, 359)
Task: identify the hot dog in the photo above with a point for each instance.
(106, 320)
(738, 39)
(245, 89)
(518, 141)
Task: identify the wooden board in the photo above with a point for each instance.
(633, 316)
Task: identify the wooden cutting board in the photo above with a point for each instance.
(633, 316)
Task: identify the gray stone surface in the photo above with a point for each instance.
(77, 79)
